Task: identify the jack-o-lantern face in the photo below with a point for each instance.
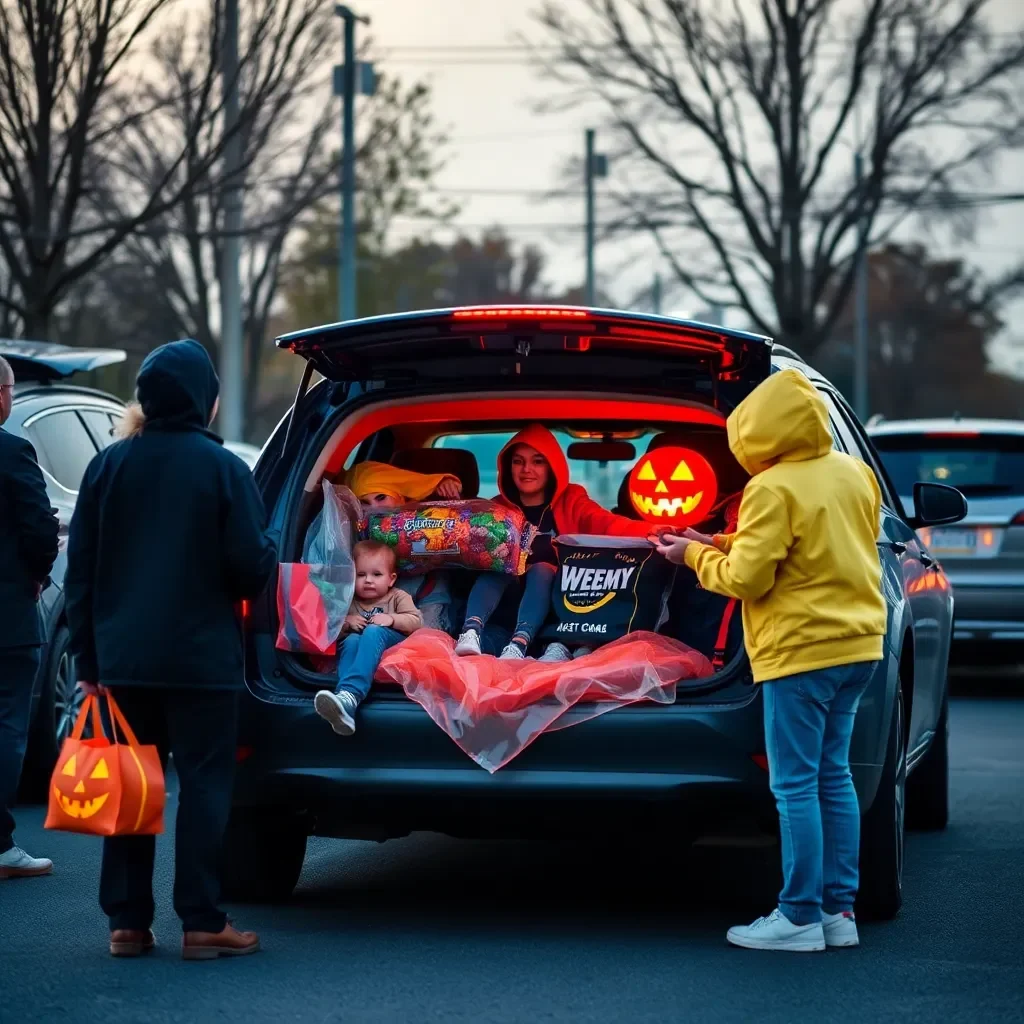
(673, 486)
(81, 797)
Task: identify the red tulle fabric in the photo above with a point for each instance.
(494, 709)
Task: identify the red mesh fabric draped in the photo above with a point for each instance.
(494, 709)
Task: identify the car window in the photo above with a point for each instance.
(64, 445)
(101, 425)
(602, 480)
(986, 465)
(857, 445)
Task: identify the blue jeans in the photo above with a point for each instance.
(360, 656)
(808, 722)
(487, 592)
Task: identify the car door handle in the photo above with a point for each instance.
(893, 545)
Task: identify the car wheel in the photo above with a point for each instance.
(881, 831)
(262, 856)
(928, 785)
(60, 700)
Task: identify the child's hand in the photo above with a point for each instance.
(354, 623)
(699, 538)
(449, 488)
(673, 547)
(382, 619)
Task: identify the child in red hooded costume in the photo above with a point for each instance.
(533, 476)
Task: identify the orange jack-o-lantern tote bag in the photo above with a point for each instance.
(105, 788)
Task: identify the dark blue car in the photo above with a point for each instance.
(438, 391)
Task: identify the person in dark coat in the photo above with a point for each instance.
(168, 537)
(28, 548)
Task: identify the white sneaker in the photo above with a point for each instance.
(840, 929)
(511, 652)
(555, 652)
(776, 931)
(468, 643)
(16, 863)
(582, 652)
(337, 708)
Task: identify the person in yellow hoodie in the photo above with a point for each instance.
(805, 564)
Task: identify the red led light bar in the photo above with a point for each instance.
(504, 312)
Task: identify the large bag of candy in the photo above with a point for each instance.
(606, 587)
(313, 596)
(470, 534)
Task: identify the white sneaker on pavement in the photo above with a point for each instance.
(840, 929)
(16, 863)
(776, 931)
(555, 652)
(511, 652)
(337, 708)
(468, 643)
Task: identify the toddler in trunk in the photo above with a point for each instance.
(380, 616)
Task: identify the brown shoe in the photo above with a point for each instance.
(131, 941)
(210, 945)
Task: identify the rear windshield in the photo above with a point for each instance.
(601, 479)
(982, 464)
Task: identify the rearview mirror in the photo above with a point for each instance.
(601, 451)
(937, 505)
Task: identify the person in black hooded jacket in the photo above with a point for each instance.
(168, 536)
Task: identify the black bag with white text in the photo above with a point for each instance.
(605, 588)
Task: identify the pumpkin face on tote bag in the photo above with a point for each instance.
(104, 788)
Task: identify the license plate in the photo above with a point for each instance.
(954, 542)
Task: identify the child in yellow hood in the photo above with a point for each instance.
(380, 485)
(805, 564)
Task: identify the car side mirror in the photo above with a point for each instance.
(937, 505)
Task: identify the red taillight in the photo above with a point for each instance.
(243, 609)
(506, 312)
(761, 760)
(953, 433)
(1018, 519)
(242, 754)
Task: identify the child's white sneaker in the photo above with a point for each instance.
(512, 652)
(337, 708)
(468, 643)
(840, 929)
(555, 652)
(776, 931)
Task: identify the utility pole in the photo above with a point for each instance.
(345, 83)
(231, 368)
(596, 166)
(656, 294)
(861, 399)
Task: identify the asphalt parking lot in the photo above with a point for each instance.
(432, 929)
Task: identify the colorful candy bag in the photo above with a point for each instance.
(471, 534)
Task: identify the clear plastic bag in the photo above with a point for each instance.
(314, 595)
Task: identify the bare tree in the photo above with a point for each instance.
(74, 93)
(736, 122)
(172, 265)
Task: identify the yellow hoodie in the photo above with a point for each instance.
(803, 559)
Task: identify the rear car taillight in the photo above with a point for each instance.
(1018, 519)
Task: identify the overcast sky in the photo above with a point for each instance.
(501, 153)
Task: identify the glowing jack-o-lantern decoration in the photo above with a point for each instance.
(81, 797)
(673, 486)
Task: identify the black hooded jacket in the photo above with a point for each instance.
(168, 535)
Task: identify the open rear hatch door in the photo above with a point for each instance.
(46, 362)
(539, 346)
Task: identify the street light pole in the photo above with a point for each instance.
(596, 167)
(861, 399)
(347, 243)
(231, 368)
